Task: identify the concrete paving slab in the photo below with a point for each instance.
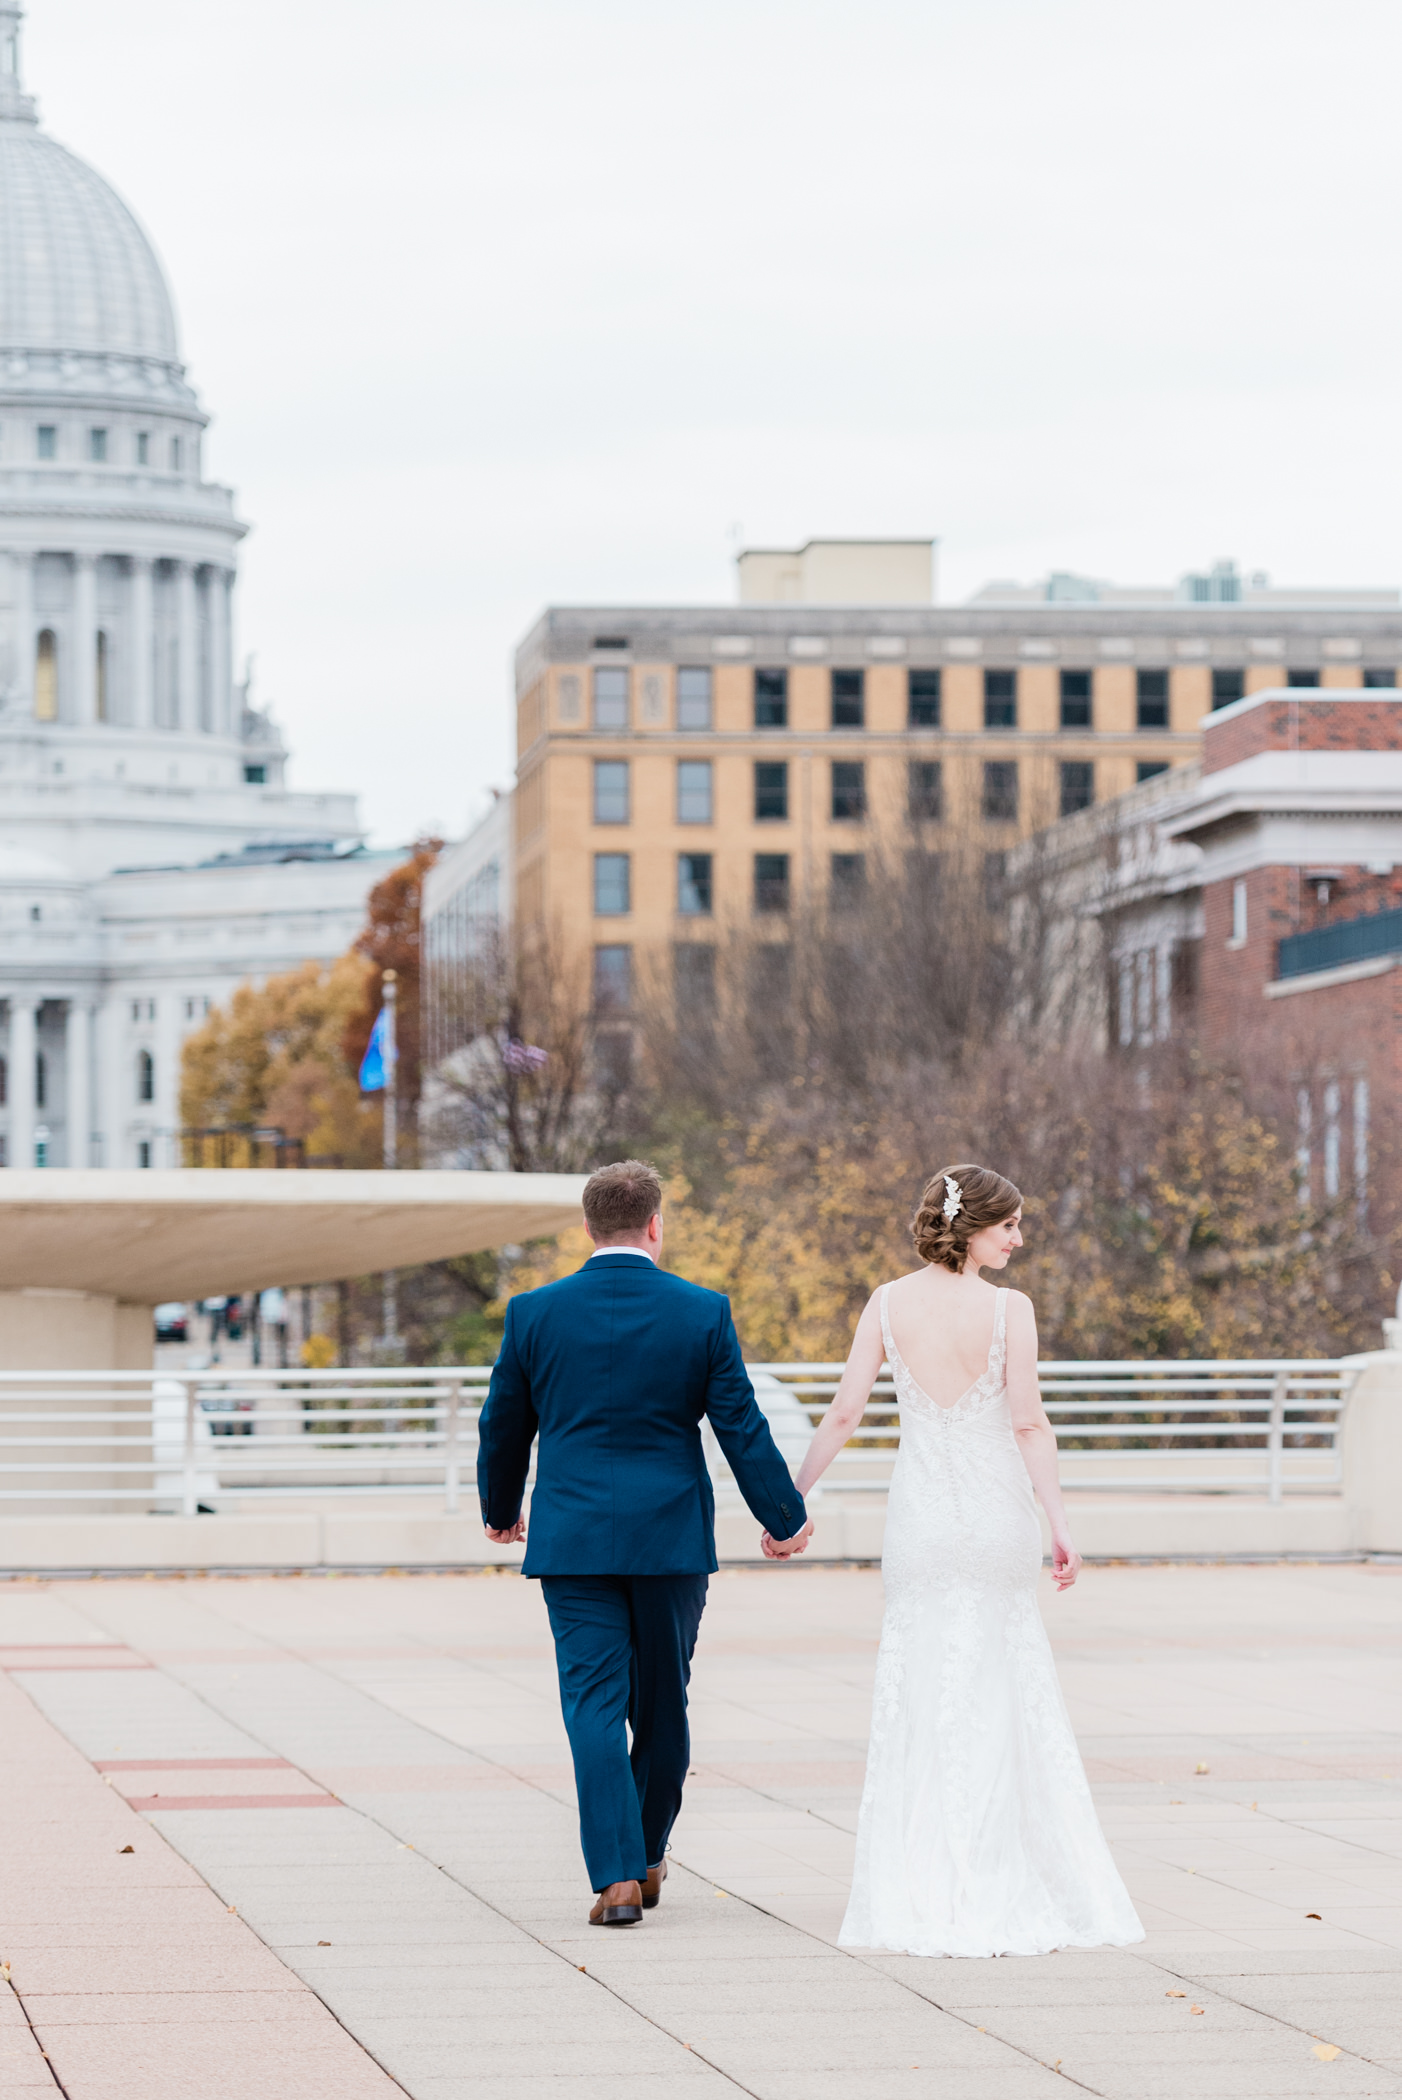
(428, 1707)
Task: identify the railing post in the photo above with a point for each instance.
(1275, 1441)
(189, 1495)
(450, 1448)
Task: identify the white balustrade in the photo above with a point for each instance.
(183, 1440)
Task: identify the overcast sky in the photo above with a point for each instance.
(498, 305)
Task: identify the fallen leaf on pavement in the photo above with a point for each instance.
(1315, 1915)
(1200, 1770)
(323, 1943)
(1325, 2051)
(1197, 2008)
(1175, 1994)
(126, 1848)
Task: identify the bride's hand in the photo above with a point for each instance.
(1066, 1561)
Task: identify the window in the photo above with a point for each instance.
(848, 699)
(175, 455)
(610, 697)
(925, 789)
(143, 448)
(771, 882)
(923, 700)
(1077, 786)
(611, 885)
(100, 674)
(255, 776)
(1150, 768)
(143, 1153)
(145, 1076)
(923, 872)
(1000, 789)
(1000, 699)
(41, 1081)
(694, 885)
(1238, 939)
(694, 977)
(46, 677)
(1379, 679)
(1227, 686)
(1302, 677)
(4, 1082)
(694, 791)
(1075, 699)
(771, 699)
(47, 435)
(97, 445)
(613, 980)
(849, 880)
(1152, 697)
(771, 792)
(849, 791)
(610, 791)
(693, 698)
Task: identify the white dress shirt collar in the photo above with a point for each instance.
(623, 1250)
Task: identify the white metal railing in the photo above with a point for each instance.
(180, 1439)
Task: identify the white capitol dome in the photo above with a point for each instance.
(151, 857)
(77, 274)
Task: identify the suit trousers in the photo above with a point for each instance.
(623, 1647)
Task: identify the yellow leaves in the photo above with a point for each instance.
(318, 1352)
(1175, 1994)
(1326, 2052)
(1199, 1771)
(1197, 2010)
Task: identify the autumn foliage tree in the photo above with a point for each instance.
(391, 940)
(274, 1055)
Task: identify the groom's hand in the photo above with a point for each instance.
(507, 1538)
(784, 1549)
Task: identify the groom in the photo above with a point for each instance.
(615, 1367)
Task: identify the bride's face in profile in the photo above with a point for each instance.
(992, 1247)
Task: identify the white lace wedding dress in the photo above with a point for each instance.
(977, 1832)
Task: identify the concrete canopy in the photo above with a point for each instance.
(144, 1236)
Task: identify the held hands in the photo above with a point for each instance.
(785, 1549)
(513, 1537)
(1066, 1561)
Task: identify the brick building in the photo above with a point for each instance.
(1253, 898)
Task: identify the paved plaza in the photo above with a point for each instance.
(313, 1839)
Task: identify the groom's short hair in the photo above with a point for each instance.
(622, 1198)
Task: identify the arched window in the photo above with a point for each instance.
(4, 1081)
(100, 674)
(46, 677)
(41, 1079)
(145, 1076)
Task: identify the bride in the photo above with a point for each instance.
(977, 1834)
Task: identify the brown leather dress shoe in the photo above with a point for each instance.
(621, 1903)
(652, 1887)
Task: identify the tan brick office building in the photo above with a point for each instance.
(687, 770)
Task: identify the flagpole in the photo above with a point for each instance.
(390, 1338)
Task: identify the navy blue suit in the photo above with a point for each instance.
(614, 1368)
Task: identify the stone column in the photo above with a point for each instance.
(78, 1058)
(140, 692)
(24, 1044)
(25, 633)
(219, 583)
(84, 687)
(187, 710)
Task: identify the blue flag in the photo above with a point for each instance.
(372, 1065)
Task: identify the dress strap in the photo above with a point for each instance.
(887, 1343)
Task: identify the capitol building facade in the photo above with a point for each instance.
(152, 857)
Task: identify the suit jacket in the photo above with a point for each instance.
(615, 1367)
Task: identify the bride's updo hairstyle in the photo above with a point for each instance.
(985, 1198)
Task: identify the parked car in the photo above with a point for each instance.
(172, 1323)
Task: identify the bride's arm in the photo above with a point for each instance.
(1036, 1439)
(849, 1403)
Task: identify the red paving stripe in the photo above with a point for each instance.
(145, 1803)
(192, 1764)
(77, 1656)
